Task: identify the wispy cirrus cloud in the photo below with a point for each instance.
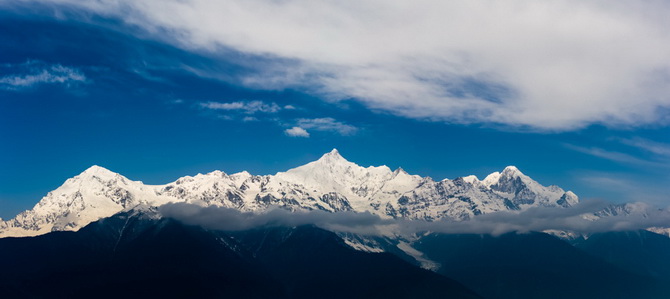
(658, 154)
(650, 158)
(32, 73)
(327, 124)
(248, 107)
(259, 110)
(613, 156)
(656, 148)
(556, 66)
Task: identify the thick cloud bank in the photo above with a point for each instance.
(534, 219)
(543, 65)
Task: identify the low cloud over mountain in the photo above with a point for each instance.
(587, 217)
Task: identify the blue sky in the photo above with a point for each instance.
(574, 94)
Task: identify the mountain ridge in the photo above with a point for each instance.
(330, 183)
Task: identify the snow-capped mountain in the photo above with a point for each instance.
(635, 210)
(331, 184)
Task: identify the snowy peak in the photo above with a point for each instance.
(508, 174)
(512, 171)
(96, 169)
(508, 180)
(333, 173)
(99, 172)
(399, 170)
(333, 154)
(472, 179)
(522, 191)
(217, 173)
(330, 167)
(333, 158)
(511, 180)
(331, 162)
(491, 179)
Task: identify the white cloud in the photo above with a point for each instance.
(250, 107)
(656, 148)
(34, 73)
(614, 156)
(327, 124)
(658, 154)
(297, 132)
(548, 65)
(532, 219)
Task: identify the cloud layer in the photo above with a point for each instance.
(226, 219)
(33, 73)
(533, 219)
(557, 65)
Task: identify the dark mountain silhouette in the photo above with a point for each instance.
(641, 252)
(534, 265)
(130, 255)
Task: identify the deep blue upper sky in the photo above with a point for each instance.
(81, 88)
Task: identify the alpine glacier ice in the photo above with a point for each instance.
(331, 184)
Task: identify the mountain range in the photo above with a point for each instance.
(101, 230)
(330, 184)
